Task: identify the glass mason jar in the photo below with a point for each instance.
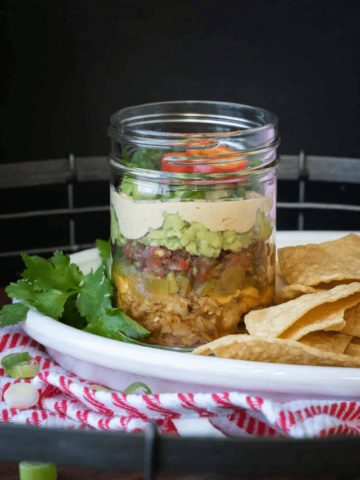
(193, 204)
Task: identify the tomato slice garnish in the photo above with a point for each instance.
(197, 167)
(221, 150)
(175, 167)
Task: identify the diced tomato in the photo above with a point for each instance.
(198, 167)
(221, 150)
(203, 274)
(242, 259)
(184, 264)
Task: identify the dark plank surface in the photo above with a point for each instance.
(9, 471)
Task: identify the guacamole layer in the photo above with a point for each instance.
(176, 234)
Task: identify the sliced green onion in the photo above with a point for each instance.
(134, 386)
(17, 365)
(14, 359)
(37, 471)
(99, 387)
(23, 371)
(21, 396)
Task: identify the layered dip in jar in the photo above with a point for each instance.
(193, 202)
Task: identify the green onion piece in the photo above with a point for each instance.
(37, 471)
(99, 387)
(134, 386)
(21, 396)
(14, 359)
(23, 371)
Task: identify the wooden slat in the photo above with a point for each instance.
(122, 451)
(288, 168)
(333, 169)
(89, 169)
(32, 174)
(92, 169)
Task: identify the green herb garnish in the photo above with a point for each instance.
(58, 289)
(148, 158)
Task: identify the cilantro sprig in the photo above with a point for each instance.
(57, 288)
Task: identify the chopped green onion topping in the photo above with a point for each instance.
(14, 359)
(134, 386)
(17, 365)
(99, 387)
(21, 396)
(23, 371)
(37, 471)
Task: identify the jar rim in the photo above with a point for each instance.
(178, 128)
(256, 126)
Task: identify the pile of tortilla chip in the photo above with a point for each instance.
(316, 319)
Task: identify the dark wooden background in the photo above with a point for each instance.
(68, 65)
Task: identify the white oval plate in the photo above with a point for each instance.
(117, 364)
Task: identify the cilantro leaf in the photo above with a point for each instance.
(70, 272)
(129, 326)
(14, 313)
(101, 328)
(50, 303)
(21, 290)
(94, 297)
(149, 158)
(254, 162)
(104, 248)
(105, 254)
(55, 273)
(113, 321)
(71, 315)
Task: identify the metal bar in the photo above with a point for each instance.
(302, 178)
(321, 169)
(71, 198)
(32, 174)
(121, 451)
(150, 452)
(288, 168)
(333, 169)
(320, 206)
(91, 169)
(36, 251)
(58, 211)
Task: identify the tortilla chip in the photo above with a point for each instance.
(328, 309)
(327, 341)
(310, 265)
(203, 350)
(274, 350)
(356, 340)
(352, 321)
(353, 350)
(290, 292)
(329, 316)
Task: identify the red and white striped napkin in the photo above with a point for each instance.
(67, 401)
